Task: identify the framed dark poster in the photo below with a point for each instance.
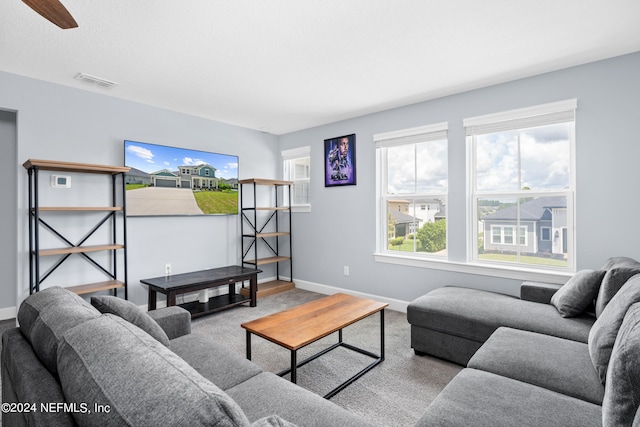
(340, 161)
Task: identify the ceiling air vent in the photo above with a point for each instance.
(88, 78)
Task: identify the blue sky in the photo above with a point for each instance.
(152, 158)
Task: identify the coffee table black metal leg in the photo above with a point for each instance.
(294, 366)
(248, 345)
(382, 335)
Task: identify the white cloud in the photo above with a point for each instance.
(141, 152)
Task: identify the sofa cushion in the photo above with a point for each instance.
(46, 315)
(131, 313)
(578, 293)
(622, 397)
(478, 398)
(603, 334)
(110, 362)
(474, 314)
(619, 261)
(268, 394)
(200, 352)
(550, 362)
(612, 283)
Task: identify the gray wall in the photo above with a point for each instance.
(8, 218)
(62, 123)
(340, 230)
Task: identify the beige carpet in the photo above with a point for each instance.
(394, 393)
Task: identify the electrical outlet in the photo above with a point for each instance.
(167, 269)
(346, 270)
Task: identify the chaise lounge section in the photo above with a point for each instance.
(545, 359)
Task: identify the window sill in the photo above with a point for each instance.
(524, 274)
(301, 208)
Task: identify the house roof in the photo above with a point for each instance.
(400, 217)
(534, 210)
(137, 172)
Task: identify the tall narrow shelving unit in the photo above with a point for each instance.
(265, 227)
(117, 278)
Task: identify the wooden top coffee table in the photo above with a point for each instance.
(299, 326)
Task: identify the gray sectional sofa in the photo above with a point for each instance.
(558, 356)
(110, 364)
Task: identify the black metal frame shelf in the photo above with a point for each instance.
(117, 279)
(256, 234)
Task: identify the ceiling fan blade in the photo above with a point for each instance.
(54, 11)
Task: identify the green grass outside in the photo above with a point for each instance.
(136, 186)
(217, 202)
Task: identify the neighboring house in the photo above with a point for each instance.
(233, 182)
(403, 223)
(428, 210)
(136, 176)
(193, 177)
(543, 228)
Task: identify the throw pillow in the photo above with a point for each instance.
(575, 296)
(131, 313)
(611, 284)
(46, 315)
(622, 396)
(602, 335)
(110, 363)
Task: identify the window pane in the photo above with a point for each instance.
(401, 169)
(497, 162)
(432, 167)
(301, 168)
(401, 225)
(545, 157)
(414, 229)
(301, 193)
(535, 218)
(508, 235)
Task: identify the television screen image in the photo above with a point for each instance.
(173, 181)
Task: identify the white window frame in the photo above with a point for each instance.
(540, 115)
(287, 174)
(382, 141)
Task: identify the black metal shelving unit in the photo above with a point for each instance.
(267, 230)
(117, 278)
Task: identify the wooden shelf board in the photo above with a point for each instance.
(79, 249)
(270, 288)
(79, 208)
(273, 234)
(217, 303)
(53, 165)
(269, 260)
(260, 181)
(96, 287)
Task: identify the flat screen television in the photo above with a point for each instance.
(175, 181)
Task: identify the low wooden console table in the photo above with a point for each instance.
(175, 284)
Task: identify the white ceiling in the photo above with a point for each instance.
(285, 65)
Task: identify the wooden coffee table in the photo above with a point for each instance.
(307, 323)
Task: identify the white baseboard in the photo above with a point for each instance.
(394, 304)
(8, 313)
